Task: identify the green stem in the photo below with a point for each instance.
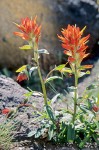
(39, 72)
(42, 84)
(75, 96)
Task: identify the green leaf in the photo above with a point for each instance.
(84, 73)
(90, 104)
(28, 94)
(52, 78)
(70, 133)
(44, 51)
(63, 133)
(40, 132)
(60, 67)
(84, 108)
(50, 113)
(31, 133)
(25, 47)
(54, 99)
(6, 72)
(97, 101)
(51, 132)
(68, 70)
(32, 69)
(22, 68)
(88, 72)
(91, 87)
(81, 145)
(96, 138)
(79, 125)
(72, 88)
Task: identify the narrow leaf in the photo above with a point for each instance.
(84, 108)
(53, 78)
(44, 51)
(31, 70)
(60, 67)
(88, 72)
(72, 88)
(54, 99)
(28, 94)
(91, 87)
(84, 73)
(31, 133)
(70, 133)
(81, 145)
(51, 132)
(97, 101)
(25, 47)
(50, 113)
(96, 138)
(22, 68)
(40, 132)
(68, 70)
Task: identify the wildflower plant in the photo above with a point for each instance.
(75, 47)
(31, 33)
(80, 124)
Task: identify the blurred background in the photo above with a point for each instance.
(52, 15)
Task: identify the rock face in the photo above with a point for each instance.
(10, 55)
(52, 15)
(11, 96)
(94, 76)
(82, 13)
(11, 93)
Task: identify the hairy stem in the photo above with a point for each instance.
(42, 84)
(39, 72)
(75, 96)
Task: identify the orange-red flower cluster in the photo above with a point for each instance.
(22, 76)
(6, 111)
(74, 44)
(30, 30)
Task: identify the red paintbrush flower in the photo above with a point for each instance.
(95, 108)
(74, 44)
(22, 76)
(30, 30)
(5, 111)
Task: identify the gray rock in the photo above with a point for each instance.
(11, 96)
(94, 76)
(11, 93)
(52, 15)
(82, 13)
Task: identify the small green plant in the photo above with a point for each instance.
(6, 136)
(77, 123)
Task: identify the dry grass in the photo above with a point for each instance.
(5, 135)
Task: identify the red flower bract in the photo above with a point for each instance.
(22, 76)
(74, 44)
(5, 111)
(95, 108)
(30, 30)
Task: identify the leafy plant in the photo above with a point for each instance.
(77, 122)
